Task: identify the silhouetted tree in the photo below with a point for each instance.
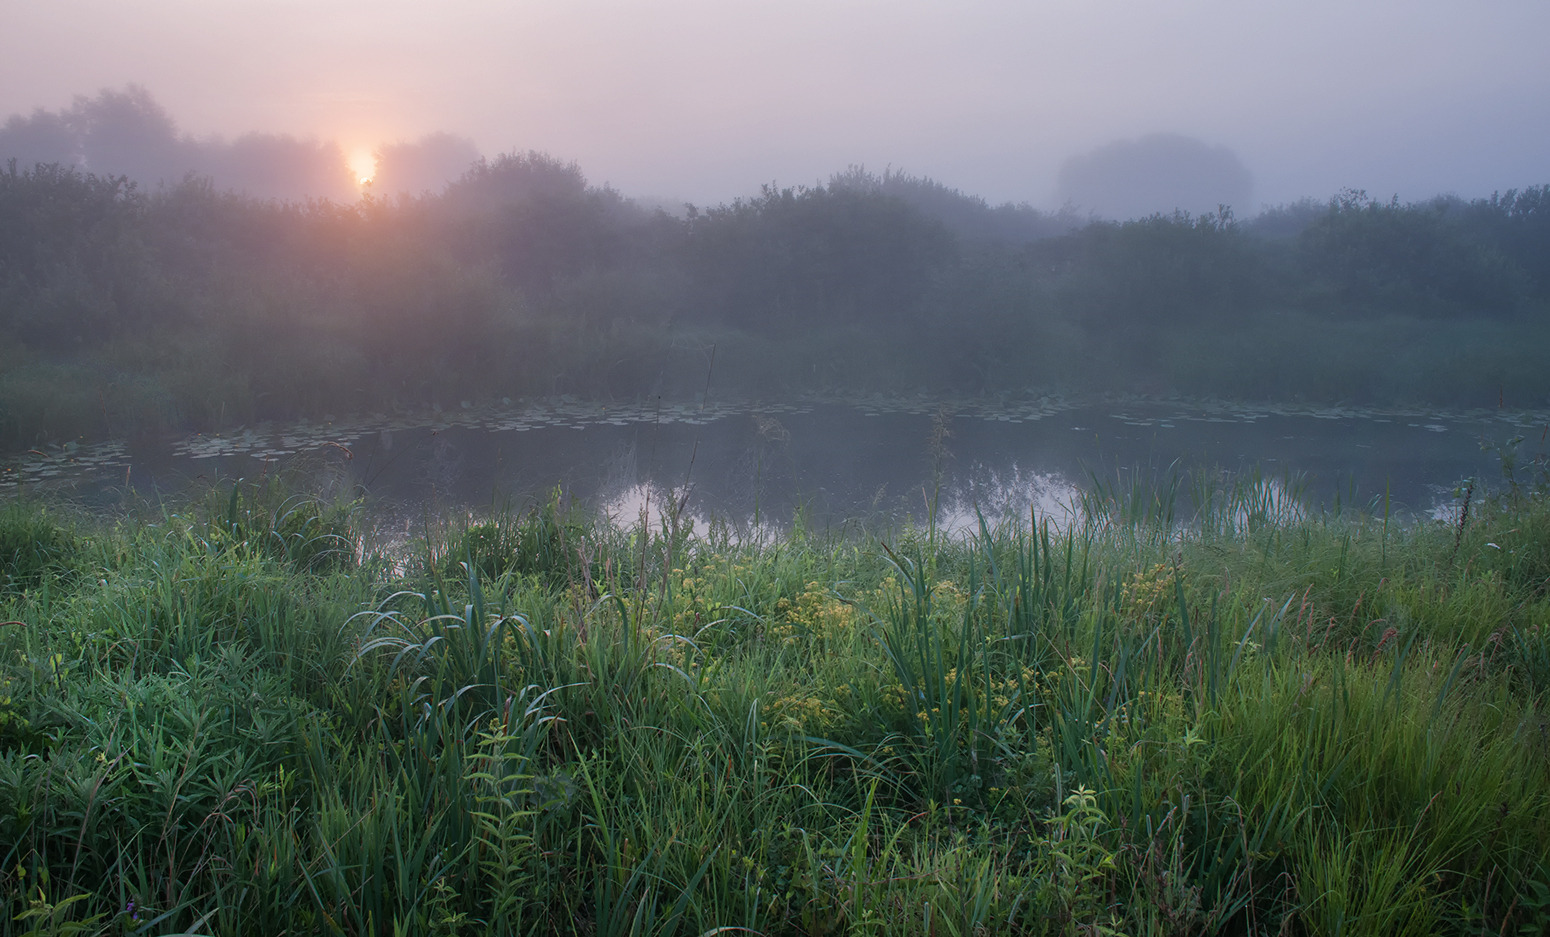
(428, 164)
(1163, 172)
(42, 137)
(795, 256)
(276, 166)
(1381, 257)
(127, 133)
(72, 263)
(969, 217)
(537, 218)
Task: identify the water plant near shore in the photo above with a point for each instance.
(221, 720)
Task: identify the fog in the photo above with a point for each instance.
(704, 102)
(240, 213)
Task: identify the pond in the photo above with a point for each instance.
(828, 460)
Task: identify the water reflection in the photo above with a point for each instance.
(994, 494)
(759, 467)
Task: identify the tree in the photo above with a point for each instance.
(72, 260)
(1160, 173)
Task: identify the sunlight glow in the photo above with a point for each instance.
(363, 163)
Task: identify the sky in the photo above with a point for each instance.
(705, 100)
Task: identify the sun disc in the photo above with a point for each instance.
(363, 163)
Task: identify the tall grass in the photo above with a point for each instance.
(226, 719)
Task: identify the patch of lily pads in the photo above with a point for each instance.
(276, 442)
(42, 467)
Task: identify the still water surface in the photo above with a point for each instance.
(873, 461)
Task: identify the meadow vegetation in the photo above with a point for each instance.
(231, 718)
(126, 311)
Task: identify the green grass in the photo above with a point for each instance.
(228, 719)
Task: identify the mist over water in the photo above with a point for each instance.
(234, 286)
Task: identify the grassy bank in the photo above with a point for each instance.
(226, 720)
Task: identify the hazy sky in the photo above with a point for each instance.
(704, 99)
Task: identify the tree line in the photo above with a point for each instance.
(125, 308)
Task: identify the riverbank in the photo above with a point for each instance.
(226, 719)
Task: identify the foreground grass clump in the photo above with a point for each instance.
(33, 546)
(229, 720)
